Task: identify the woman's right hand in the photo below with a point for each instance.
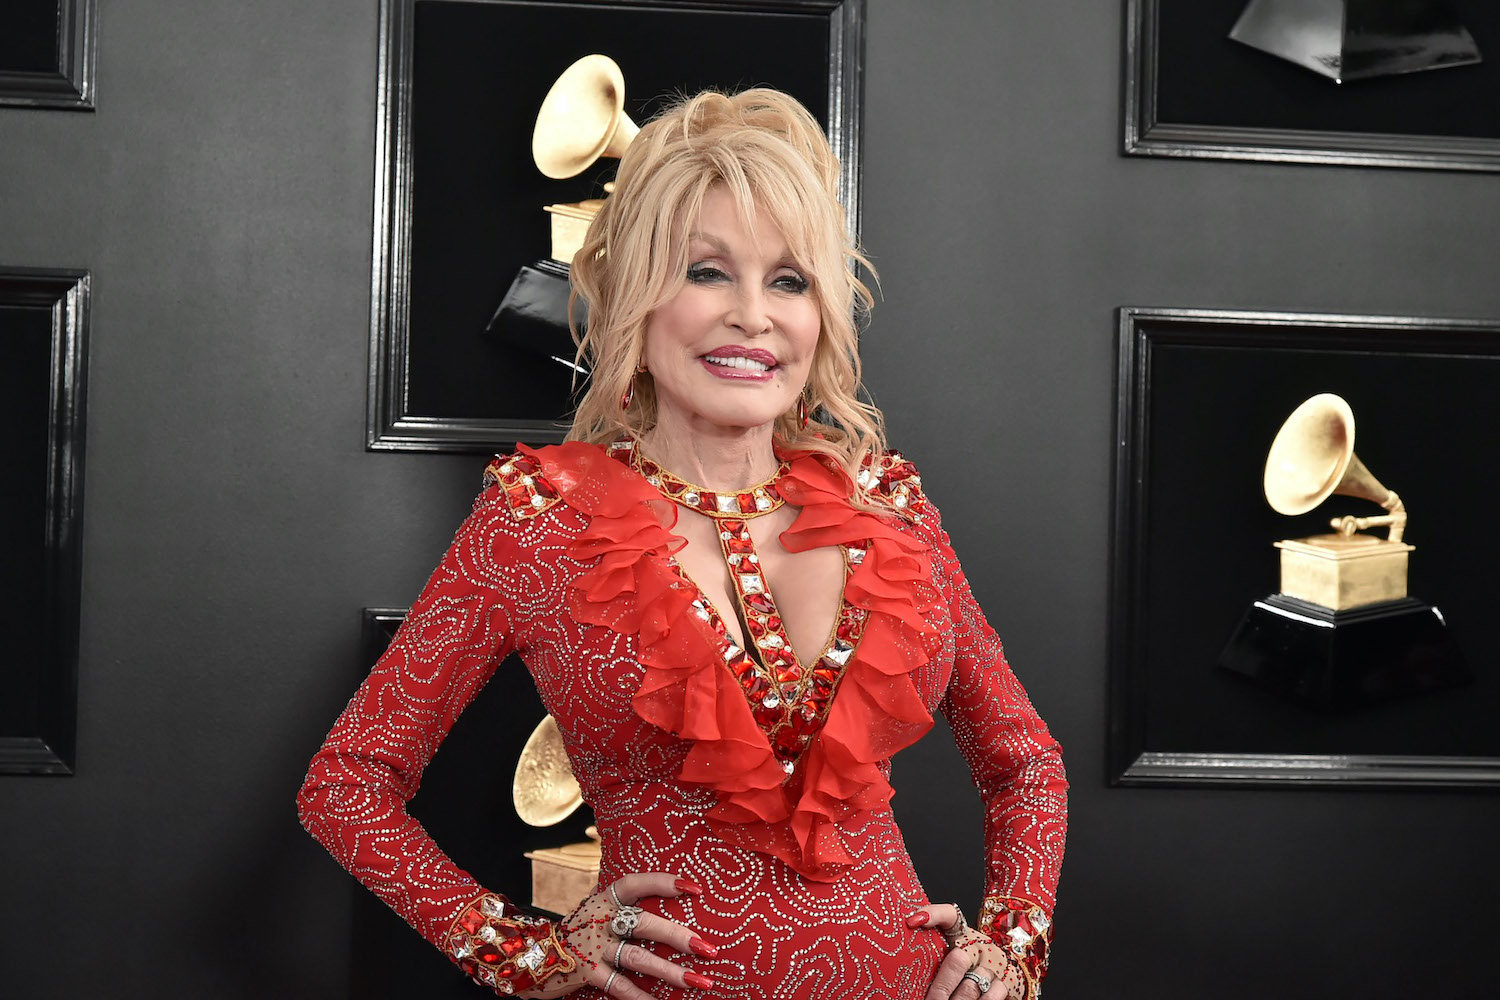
(613, 964)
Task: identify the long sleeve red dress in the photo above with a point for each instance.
(778, 807)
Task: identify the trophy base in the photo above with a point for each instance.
(1343, 659)
(1342, 572)
(533, 315)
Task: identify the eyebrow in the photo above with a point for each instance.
(711, 240)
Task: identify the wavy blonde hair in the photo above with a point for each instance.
(771, 154)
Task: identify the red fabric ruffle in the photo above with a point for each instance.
(687, 689)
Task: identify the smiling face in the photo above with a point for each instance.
(733, 348)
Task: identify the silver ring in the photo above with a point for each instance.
(615, 896)
(619, 950)
(980, 981)
(625, 920)
(959, 929)
(610, 981)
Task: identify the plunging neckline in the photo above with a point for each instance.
(788, 697)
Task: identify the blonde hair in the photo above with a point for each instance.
(771, 154)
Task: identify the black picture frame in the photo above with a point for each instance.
(47, 54)
(460, 82)
(466, 803)
(1190, 91)
(1201, 394)
(44, 315)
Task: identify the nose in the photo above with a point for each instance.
(751, 312)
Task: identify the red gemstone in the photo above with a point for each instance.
(740, 544)
(544, 488)
(471, 921)
(706, 502)
(760, 603)
(774, 623)
(734, 527)
(524, 464)
(746, 502)
(487, 954)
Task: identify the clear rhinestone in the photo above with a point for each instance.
(727, 503)
(856, 556)
(462, 946)
(1040, 921)
(527, 480)
(487, 933)
(654, 480)
(725, 535)
(734, 559)
(751, 583)
(771, 700)
(732, 651)
(690, 497)
(492, 907)
(900, 499)
(538, 501)
(533, 958)
(507, 468)
(865, 478)
(839, 652)
(487, 976)
(771, 641)
(788, 766)
(762, 502)
(754, 558)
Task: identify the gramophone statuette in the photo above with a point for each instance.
(1342, 631)
(1311, 459)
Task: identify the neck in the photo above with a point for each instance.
(716, 458)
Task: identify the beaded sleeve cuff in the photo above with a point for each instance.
(1024, 930)
(504, 949)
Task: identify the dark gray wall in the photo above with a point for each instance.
(221, 198)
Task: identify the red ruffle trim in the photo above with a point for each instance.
(688, 690)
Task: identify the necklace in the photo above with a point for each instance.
(753, 501)
(788, 701)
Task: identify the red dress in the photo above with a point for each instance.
(566, 560)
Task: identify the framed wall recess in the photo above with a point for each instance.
(43, 361)
(459, 202)
(1202, 394)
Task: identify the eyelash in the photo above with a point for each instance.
(703, 274)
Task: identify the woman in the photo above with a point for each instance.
(737, 604)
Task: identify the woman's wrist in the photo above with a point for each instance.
(505, 949)
(1024, 930)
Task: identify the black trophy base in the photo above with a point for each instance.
(1343, 659)
(533, 316)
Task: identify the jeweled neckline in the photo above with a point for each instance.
(753, 501)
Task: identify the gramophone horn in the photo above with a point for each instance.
(1313, 458)
(582, 118)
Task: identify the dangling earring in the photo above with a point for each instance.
(629, 395)
(802, 412)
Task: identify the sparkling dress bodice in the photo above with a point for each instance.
(566, 560)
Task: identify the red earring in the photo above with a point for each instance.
(802, 412)
(629, 394)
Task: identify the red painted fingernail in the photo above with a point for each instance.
(698, 979)
(918, 920)
(688, 886)
(702, 947)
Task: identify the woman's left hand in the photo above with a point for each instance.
(971, 956)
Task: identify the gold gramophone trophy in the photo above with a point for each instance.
(1342, 630)
(581, 120)
(545, 793)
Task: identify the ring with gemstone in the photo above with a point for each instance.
(980, 981)
(625, 920)
(614, 896)
(610, 981)
(619, 950)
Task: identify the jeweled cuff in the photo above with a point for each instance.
(1024, 930)
(505, 949)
